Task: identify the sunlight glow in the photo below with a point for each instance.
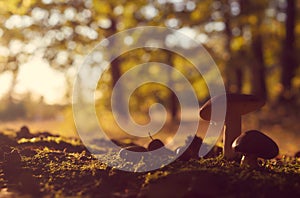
(15, 46)
(5, 78)
(149, 11)
(172, 23)
(4, 51)
(180, 40)
(214, 26)
(70, 13)
(37, 77)
(17, 21)
(104, 23)
(39, 14)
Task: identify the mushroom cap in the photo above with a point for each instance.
(297, 155)
(155, 144)
(256, 143)
(238, 104)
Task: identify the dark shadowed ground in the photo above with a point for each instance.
(46, 165)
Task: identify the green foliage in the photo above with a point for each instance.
(75, 27)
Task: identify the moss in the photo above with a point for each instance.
(75, 172)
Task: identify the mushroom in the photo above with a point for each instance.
(154, 144)
(237, 105)
(254, 144)
(297, 155)
(127, 155)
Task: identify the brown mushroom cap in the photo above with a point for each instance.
(236, 104)
(256, 143)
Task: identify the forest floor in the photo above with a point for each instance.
(58, 165)
(280, 122)
(46, 165)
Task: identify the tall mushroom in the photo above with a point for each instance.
(237, 105)
(253, 144)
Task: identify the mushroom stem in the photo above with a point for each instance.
(250, 160)
(232, 130)
(150, 136)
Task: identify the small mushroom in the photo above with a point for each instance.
(297, 155)
(254, 144)
(155, 144)
(24, 133)
(237, 105)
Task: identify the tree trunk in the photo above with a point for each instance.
(13, 83)
(258, 67)
(233, 72)
(229, 74)
(288, 61)
(121, 105)
(173, 101)
(239, 79)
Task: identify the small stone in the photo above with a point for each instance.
(24, 133)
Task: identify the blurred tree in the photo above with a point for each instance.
(116, 74)
(258, 68)
(234, 31)
(233, 45)
(159, 13)
(288, 60)
(50, 30)
(173, 101)
(255, 12)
